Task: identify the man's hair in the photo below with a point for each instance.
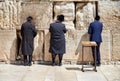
(29, 18)
(97, 18)
(60, 18)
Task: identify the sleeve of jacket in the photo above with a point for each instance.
(101, 27)
(90, 29)
(64, 30)
(34, 31)
(50, 28)
(22, 30)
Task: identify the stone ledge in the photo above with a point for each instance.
(64, 63)
(74, 0)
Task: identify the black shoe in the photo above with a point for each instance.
(93, 64)
(98, 64)
(29, 64)
(60, 64)
(25, 63)
(53, 64)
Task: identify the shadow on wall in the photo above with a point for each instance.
(87, 50)
(19, 45)
(13, 51)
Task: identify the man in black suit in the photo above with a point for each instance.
(57, 40)
(95, 30)
(28, 32)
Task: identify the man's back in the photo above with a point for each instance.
(95, 30)
(57, 30)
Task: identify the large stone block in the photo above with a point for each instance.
(38, 46)
(41, 12)
(116, 47)
(74, 40)
(10, 14)
(47, 54)
(106, 46)
(68, 10)
(85, 13)
(110, 14)
(8, 46)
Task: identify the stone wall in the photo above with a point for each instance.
(8, 45)
(110, 16)
(42, 13)
(10, 13)
(78, 15)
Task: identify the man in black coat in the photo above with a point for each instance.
(28, 32)
(57, 40)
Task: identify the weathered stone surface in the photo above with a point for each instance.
(74, 47)
(7, 45)
(116, 47)
(41, 12)
(47, 55)
(68, 10)
(10, 14)
(106, 46)
(110, 14)
(84, 15)
(38, 46)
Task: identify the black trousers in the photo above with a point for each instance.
(97, 53)
(28, 58)
(54, 56)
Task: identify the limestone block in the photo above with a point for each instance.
(116, 47)
(38, 46)
(47, 54)
(68, 10)
(65, 8)
(6, 15)
(10, 14)
(110, 14)
(69, 25)
(13, 14)
(106, 46)
(74, 40)
(8, 45)
(84, 15)
(1, 19)
(41, 12)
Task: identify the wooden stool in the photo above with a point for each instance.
(88, 44)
